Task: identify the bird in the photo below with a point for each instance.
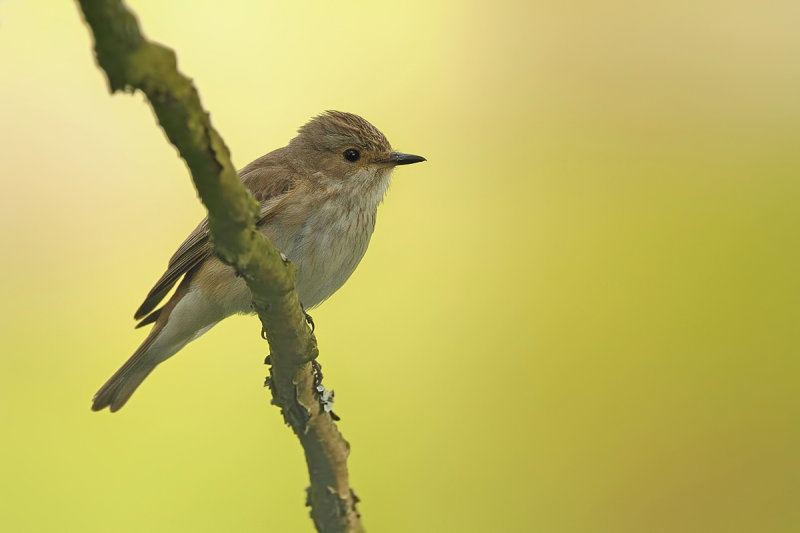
(318, 197)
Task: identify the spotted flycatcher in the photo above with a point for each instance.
(319, 196)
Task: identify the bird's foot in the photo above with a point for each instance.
(309, 320)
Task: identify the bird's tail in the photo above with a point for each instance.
(164, 341)
(184, 318)
(119, 388)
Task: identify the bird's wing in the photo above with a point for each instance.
(191, 253)
(268, 178)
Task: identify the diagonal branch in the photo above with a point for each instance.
(132, 62)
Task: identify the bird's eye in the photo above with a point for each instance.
(352, 155)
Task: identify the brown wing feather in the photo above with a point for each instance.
(191, 253)
(267, 178)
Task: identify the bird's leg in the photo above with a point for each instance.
(309, 320)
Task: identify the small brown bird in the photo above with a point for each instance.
(319, 196)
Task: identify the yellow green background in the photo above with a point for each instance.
(582, 314)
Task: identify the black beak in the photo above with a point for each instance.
(397, 158)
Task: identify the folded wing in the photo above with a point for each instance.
(268, 178)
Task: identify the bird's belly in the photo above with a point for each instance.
(326, 252)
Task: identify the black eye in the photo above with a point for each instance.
(352, 155)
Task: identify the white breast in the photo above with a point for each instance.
(327, 251)
(333, 236)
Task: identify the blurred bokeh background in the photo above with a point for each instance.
(581, 315)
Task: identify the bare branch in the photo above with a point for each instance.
(132, 62)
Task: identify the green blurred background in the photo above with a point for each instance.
(581, 315)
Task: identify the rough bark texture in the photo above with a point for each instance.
(132, 62)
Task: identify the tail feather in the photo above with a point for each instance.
(186, 316)
(121, 386)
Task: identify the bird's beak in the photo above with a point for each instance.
(397, 158)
